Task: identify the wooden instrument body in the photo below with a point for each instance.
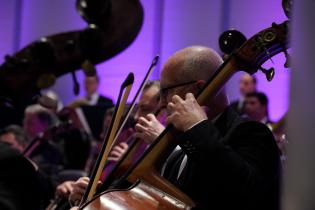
(141, 196)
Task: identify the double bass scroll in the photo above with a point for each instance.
(113, 26)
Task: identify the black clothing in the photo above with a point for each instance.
(232, 164)
(19, 182)
(237, 108)
(104, 101)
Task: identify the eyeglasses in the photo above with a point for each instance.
(164, 91)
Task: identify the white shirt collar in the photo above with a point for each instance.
(93, 99)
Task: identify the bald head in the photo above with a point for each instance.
(192, 63)
(187, 72)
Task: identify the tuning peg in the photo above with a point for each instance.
(270, 73)
(288, 59)
(231, 40)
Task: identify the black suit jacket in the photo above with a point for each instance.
(237, 109)
(19, 182)
(104, 101)
(232, 164)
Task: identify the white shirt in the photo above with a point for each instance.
(92, 100)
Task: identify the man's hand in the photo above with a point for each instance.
(64, 189)
(184, 114)
(79, 188)
(118, 151)
(148, 128)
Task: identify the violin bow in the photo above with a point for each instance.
(101, 160)
(108, 179)
(144, 81)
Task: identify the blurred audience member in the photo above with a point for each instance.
(256, 107)
(247, 84)
(50, 100)
(15, 136)
(91, 85)
(37, 119)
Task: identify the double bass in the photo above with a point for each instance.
(150, 190)
(112, 26)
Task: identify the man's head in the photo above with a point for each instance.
(149, 100)
(37, 119)
(247, 84)
(256, 106)
(187, 71)
(148, 103)
(15, 136)
(91, 84)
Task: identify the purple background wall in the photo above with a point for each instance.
(7, 22)
(249, 17)
(168, 26)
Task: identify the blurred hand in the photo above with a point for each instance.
(148, 128)
(63, 190)
(79, 188)
(118, 151)
(184, 114)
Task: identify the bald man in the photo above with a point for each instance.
(224, 162)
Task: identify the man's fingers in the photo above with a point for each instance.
(82, 185)
(61, 190)
(176, 99)
(69, 186)
(143, 121)
(115, 159)
(170, 107)
(140, 128)
(79, 191)
(84, 179)
(115, 154)
(190, 96)
(118, 149)
(124, 145)
(151, 117)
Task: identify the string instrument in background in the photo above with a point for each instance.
(112, 27)
(113, 136)
(278, 130)
(151, 191)
(61, 203)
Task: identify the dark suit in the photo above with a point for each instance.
(233, 164)
(237, 108)
(19, 182)
(104, 101)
